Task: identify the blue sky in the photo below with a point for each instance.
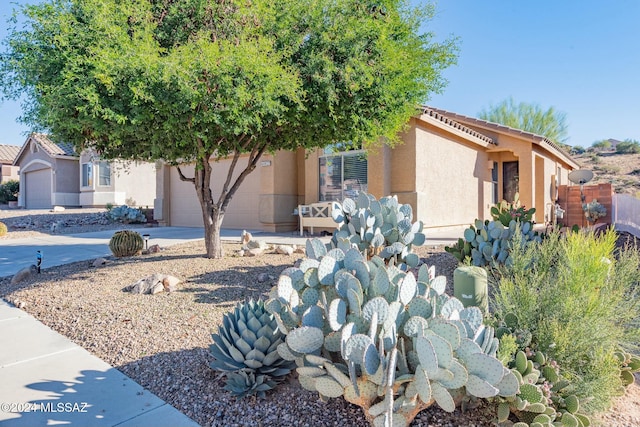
(580, 56)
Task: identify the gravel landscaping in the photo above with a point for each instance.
(162, 340)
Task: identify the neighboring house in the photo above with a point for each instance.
(53, 174)
(8, 171)
(451, 168)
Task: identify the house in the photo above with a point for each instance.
(8, 171)
(451, 168)
(53, 174)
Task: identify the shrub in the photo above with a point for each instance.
(628, 147)
(505, 212)
(581, 305)
(594, 211)
(602, 145)
(3, 229)
(9, 191)
(127, 215)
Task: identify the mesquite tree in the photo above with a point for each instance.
(193, 81)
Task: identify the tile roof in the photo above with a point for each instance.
(440, 115)
(505, 129)
(54, 148)
(8, 153)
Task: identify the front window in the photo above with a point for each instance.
(342, 175)
(104, 174)
(494, 182)
(87, 175)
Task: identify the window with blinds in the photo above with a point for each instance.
(342, 175)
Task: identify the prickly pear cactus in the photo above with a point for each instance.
(545, 398)
(382, 338)
(126, 243)
(489, 242)
(378, 227)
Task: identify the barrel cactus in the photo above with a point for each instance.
(126, 243)
(245, 347)
(3, 229)
(378, 227)
(386, 340)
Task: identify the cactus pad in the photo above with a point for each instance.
(305, 339)
(329, 387)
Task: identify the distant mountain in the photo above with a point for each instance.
(621, 170)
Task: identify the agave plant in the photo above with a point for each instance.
(246, 348)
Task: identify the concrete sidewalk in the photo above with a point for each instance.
(49, 380)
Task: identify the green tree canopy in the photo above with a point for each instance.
(549, 123)
(189, 81)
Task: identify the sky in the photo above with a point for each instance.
(581, 57)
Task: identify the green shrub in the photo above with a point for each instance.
(628, 147)
(3, 229)
(9, 191)
(581, 305)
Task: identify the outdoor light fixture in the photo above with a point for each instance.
(38, 260)
(146, 241)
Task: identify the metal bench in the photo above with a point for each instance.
(316, 215)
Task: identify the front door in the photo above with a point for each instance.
(509, 181)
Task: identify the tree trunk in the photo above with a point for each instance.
(213, 212)
(212, 241)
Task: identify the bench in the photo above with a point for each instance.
(316, 215)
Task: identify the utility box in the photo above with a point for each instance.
(470, 287)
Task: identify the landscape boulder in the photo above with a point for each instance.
(154, 284)
(284, 250)
(99, 262)
(24, 274)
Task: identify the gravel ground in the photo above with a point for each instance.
(162, 341)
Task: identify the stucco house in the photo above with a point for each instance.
(53, 174)
(8, 171)
(451, 168)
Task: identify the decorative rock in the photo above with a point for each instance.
(298, 250)
(24, 274)
(246, 237)
(240, 253)
(253, 252)
(58, 209)
(263, 277)
(153, 249)
(255, 244)
(99, 262)
(284, 250)
(154, 284)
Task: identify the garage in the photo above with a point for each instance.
(37, 186)
(242, 212)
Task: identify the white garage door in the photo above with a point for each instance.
(37, 185)
(242, 212)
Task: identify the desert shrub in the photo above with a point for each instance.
(3, 229)
(602, 145)
(9, 191)
(628, 147)
(577, 149)
(581, 305)
(594, 211)
(610, 169)
(127, 215)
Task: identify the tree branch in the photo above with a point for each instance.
(184, 178)
(255, 155)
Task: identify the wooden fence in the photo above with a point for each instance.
(569, 198)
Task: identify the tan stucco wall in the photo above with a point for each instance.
(453, 180)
